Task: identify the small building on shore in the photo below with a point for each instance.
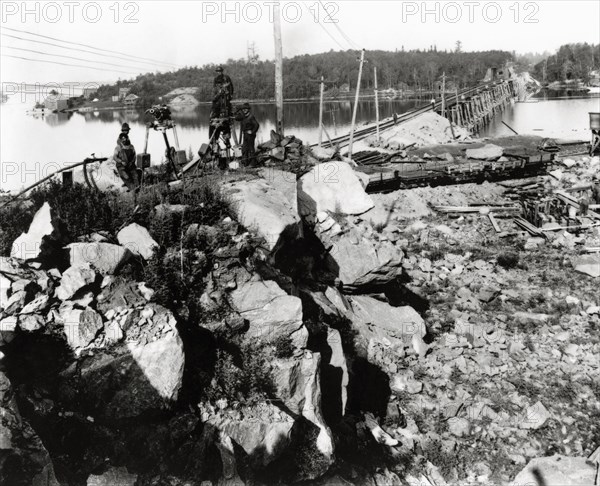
(56, 102)
(123, 92)
(131, 99)
(89, 92)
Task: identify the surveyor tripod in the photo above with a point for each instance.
(171, 151)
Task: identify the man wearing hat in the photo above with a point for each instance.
(125, 129)
(223, 93)
(124, 158)
(249, 127)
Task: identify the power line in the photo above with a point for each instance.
(91, 47)
(352, 44)
(62, 63)
(323, 27)
(66, 57)
(69, 48)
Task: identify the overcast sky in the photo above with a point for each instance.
(194, 33)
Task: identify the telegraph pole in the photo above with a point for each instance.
(362, 60)
(321, 110)
(376, 102)
(278, 68)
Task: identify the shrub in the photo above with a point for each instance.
(508, 260)
(14, 220)
(284, 348)
(245, 378)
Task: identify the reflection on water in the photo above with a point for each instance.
(564, 116)
(30, 144)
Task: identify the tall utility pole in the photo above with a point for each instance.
(278, 68)
(362, 60)
(376, 102)
(321, 110)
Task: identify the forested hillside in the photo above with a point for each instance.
(414, 69)
(572, 61)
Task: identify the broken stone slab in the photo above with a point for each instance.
(31, 322)
(535, 416)
(588, 265)
(141, 374)
(263, 433)
(137, 240)
(74, 279)
(379, 321)
(45, 236)
(163, 210)
(271, 313)
(39, 304)
(357, 261)
(487, 152)
(8, 328)
(556, 470)
(113, 476)
(334, 187)
(105, 258)
(80, 326)
(267, 206)
(322, 153)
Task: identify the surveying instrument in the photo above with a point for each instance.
(163, 123)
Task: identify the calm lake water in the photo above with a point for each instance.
(33, 147)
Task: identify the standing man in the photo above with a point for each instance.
(124, 157)
(249, 128)
(223, 93)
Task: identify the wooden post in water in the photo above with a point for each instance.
(322, 90)
(360, 68)
(278, 68)
(376, 102)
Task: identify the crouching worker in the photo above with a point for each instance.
(125, 159)
(249, 128)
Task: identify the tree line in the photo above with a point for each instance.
(571, 62)
(416, 69)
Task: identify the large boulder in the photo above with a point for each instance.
(332, 186)
(299, 387)
(137, 240)
(262, 431)
(105, 258)
(267, 206)
(46, 234)
(114, 476)
(556, 471)
(103, 176)
(74, 279)
(359, 261)
(380, 322)
(270, 312)
(138, 370)
(80, 326)
(23, 457)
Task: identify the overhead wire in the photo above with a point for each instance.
(317, 21)
(66, 57)
(70, 48)
(62, 63)
(350, 42)
(154, 61)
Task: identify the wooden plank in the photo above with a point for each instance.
(494, 223)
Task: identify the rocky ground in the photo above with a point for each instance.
(281, 328)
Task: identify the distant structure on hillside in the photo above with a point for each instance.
(495, 74)
(123, 92)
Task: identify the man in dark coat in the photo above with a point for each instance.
(222, 94)
(249, 128)
(124, 157)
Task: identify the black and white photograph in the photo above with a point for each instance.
(304, 243)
